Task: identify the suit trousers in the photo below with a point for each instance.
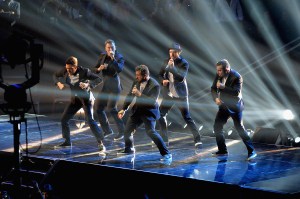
(133, 123)
(221, 119)
(183, 105)
(69, 112)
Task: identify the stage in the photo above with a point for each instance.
(82, 171)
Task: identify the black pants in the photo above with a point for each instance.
(183, 105)
(109, 101)
(69, 112)
(133, 123)
(221, 119)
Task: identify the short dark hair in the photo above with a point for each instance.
(72, 60)
(224, 63)
(144, 70)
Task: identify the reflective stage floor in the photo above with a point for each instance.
(275, 173)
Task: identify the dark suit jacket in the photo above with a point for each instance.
(111, 78)
(179, 71)
(84, 75)
(231, 95)
(145, 105)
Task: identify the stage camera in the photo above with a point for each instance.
(20, 49)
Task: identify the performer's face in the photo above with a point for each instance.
(174, 54)
(110, 48)
(220, 71)
(139, 77)
(71, 69)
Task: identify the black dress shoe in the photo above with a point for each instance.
(220, 153)
(65, 144)
(126, 152)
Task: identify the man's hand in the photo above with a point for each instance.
(121, 113)
(220, 85)
(60, 85)
(165, 82)
(136, 91)
(102, 67)
(218, 101)
(171, 63)
(83, 85)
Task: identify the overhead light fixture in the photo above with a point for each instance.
(288, 115)
(296, 142)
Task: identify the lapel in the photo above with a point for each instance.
(147, 87)
(138, 85)
(229, 80)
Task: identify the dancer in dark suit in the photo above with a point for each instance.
(80, 80)
(144, 94)
(110, 64)
(172, 77)
(226, 91)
